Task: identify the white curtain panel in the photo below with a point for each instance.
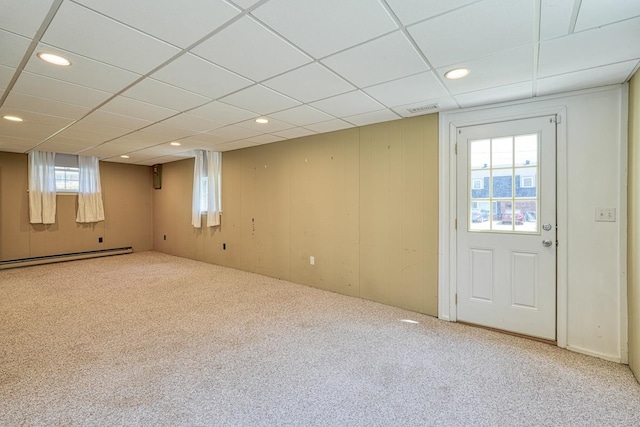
(214, 200)
(42, 187)
(196, 219)
(90, 208)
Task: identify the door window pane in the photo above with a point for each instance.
(503, 184)
(502, 152)
(480, 154)
(526, 150)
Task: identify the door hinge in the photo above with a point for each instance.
(455, 149)
(455, 223)
(555, 119)
(456, 299)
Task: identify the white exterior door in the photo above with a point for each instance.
(506, 226)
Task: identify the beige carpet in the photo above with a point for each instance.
(153, 340)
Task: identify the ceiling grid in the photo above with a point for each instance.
(150, 72)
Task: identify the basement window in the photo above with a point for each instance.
(67, 173)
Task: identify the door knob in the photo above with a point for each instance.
(547, 227)
(546, 243)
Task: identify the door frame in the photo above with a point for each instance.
(447, 265)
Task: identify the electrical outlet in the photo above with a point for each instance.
(224, 246)
(312, 260)
(99, 239)
(165, 237)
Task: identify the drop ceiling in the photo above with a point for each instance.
(146, 73)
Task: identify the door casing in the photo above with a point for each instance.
(449, 123)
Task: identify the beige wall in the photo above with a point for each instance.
(634, 226)
(127, 197)
(363, 202)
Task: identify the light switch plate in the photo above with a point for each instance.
(606, 214)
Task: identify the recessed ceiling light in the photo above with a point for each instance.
(54, 59)
(175, 144)
(456, 73)
(124, 156)
(262, 120)
(13, 118)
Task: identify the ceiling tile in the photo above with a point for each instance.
(163, 132)
(296, 83)
(137, 109)
(24, 17)
(596, 13)
(483, 32)
(260, 99)
(193, 123)
(594, 77)
(162, 150)
(271, 127)
(589, 49)
(137, 140)
(265, 139)
(104, 118)
(330, 126)
(325, 27)
(194, 144)
(6, 73)
(83, 71)
(222, 113)
(106, 153)
(164, 95)
(294, 133)
(416, 88)
(17, 145)
(496, 94)
(82, 31)
(381, 60)
(57, 90)
(72, 142)
(207, 139)
(501, 69)
(441, 104)
(411, 11)
(168, 20)
(13, 48)
(235, 145)
(93, 132)
(34, 127)
(302, 115)
(202, 77)
(372, 117)
(347, 104)
(158, 160)
(232, 133)
(555, 18)
(44, 106)
(251, 50)
(60, 147)
(245, 4)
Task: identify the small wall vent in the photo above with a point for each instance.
(423, 109)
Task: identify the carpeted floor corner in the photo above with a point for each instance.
(153, 340)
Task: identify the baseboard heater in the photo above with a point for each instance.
(48, 259)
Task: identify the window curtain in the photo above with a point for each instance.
(198, 174)
(207, 164)
(90, 208)
(42, 187)
(214, 200)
